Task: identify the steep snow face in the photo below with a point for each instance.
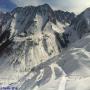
(33, 49)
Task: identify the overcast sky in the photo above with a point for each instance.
(76, 6)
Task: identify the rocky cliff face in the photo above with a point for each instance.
(31, 35)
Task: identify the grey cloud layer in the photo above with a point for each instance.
(68, 5)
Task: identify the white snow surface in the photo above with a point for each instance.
(68, 71)
(74, 64)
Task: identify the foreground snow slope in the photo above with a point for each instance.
(75, 63)
(68, 71)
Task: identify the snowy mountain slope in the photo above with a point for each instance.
(29, 36)
(39, 46)
(69, 71)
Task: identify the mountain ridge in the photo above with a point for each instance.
(37, 44)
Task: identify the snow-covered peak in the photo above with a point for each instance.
(47, 11)
(36, 49)
(64, 17)
(33, 35)
(82, 23)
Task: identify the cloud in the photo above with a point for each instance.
(76, 6)
(3, 9)
(6, 5)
